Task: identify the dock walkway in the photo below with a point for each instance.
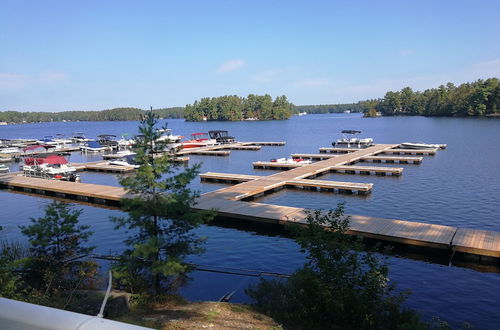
(230, 202)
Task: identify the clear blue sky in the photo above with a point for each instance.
(95, 54)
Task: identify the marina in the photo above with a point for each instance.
(238, 201)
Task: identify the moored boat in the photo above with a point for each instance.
(421, 145)
(198, 140)
(291, 161)
(52, 167)
(4, 169)
(351, 141)
(93, 146)
(79, 137)
(221, 136)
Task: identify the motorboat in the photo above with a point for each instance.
(107, 140)
(52, 167)
(168, 137)
(93, 146)
(351, 141)
(198, 140)
(221, 136)
(421, 145)
(291, 161)
(79, 137)
(47, 140)
(61, 139)
(9, 150)
(4, 168)
(125, 161)
(5, 158)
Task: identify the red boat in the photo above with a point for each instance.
(198, 140)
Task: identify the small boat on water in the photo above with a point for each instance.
(221, 136)
(291, 161)
(93, 146)
(4, 169)
(422, 146)
(198, 140)
(79, 137)
(351, 141)
(9, 150)
(107, 140)
(61, 139)
(52, 167)
(168, 137)
(124, 161)
(47, 140)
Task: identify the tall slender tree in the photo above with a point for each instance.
(160, 219)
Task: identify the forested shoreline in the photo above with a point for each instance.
(479, 98)
(233, 107)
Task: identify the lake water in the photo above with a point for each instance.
(458, 187)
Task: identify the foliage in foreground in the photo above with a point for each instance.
(342, 285)
(160, 220)
(57, 246)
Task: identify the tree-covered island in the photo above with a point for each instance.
(479, 98)
(233, 107)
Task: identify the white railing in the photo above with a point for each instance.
(16, 315)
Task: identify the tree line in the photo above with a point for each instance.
(478, 98)
(329, 108)
(116, 114)
(233, 107)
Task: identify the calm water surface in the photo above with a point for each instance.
(458, 187)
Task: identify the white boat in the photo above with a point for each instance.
(168, 137)
(47, 140)
(4, 169)
(9, 150)
(61, 139)
(125, 161)
(93, 146)
(302, 113)
(291, 161)
(351, 141)
(52, 167)
(79, 137)
(421, 145)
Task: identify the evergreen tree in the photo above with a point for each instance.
(160, 220)
(342, 285)
(57, 244)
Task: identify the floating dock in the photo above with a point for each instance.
(392, 159)
(221, 149)
(230, 202)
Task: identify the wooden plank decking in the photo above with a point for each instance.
(228, 202)
(352, 169)
(392, 159)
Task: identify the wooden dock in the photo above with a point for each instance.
(277, 165)
(321, 185)
(392, 159)
(429, 152)
(351, 169)
(230, 202)
(221, 149)
(338, 150)
(102, 166)
(313, 156)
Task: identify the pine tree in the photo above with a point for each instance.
(160, 219)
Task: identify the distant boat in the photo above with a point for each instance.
(52, 167)
(79, 137)
(422, 146)
(4, 169)
(352, 141)
(93, 146)
(198, 140)
(47, 140)
(61, 139)
(221, 136)
(291, 161)
(302, 113)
